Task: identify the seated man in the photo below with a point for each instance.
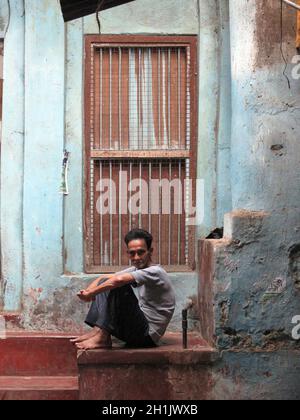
(116, 311)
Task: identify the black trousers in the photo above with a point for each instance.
(118, 312)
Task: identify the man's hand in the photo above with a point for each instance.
(86, 295)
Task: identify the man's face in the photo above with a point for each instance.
(139, 254)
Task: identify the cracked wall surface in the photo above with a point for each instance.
(248, 298)
(249, 280)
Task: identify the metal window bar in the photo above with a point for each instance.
(159, 97)
(140, 136)
(179, 98)
(179, 218)
(170, 216)
(120, 99)
(101, 98)
(149, 99)
(110, 216)
(169, 99)
(149, 197)
(120, 215)
(101, 220)
(141, 196)
(110, 98)
(130, 180)
(160, 214)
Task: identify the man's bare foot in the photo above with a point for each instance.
(85, 337)
(98, 341)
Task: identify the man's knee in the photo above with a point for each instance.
(123, 295)
(123, 290)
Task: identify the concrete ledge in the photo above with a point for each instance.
(170, 352)
(164, 373)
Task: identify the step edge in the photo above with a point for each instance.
(35, 383)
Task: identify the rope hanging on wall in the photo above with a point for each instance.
(98, 10)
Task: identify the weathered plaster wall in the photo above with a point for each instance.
(248, 296)
(265, 146)
(249, 279)
(257, 376)
(266, 149)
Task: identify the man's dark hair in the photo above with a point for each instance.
(139, 234)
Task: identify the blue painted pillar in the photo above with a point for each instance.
(12, 155)
(74, 119)
(214, 111)
(44, 145)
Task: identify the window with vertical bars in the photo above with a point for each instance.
(140, 137)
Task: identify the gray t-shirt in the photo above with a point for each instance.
(156, 297)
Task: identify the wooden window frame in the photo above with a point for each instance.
(94, 41)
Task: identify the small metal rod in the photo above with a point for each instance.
(188, 305)
(184, 328)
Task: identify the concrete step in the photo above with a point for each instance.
(164, 373)
(37, 354)
(39, 388)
